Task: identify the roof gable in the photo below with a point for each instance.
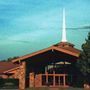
(62, 47)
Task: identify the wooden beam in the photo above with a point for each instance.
(66, 51)
(64, 80)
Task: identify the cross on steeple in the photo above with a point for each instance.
(64, 28)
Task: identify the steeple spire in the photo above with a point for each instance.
(64, 28)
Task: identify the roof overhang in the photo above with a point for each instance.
(52, 48)
(66, 51)
(10, 70)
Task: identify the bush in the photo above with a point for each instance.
(9, 83)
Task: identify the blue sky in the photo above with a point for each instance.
(30, 25)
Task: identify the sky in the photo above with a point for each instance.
(27, 26)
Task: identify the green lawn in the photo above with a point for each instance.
(47, 88)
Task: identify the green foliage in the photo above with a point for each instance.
(10, 59)
(84, 60)
(8, 83)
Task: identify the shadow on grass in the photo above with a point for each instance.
(50, 88)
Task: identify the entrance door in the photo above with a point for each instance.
(57, 80)
(54, 80)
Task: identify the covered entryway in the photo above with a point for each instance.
(51, 80)
(52, 67)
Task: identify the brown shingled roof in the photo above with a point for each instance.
(4, 66)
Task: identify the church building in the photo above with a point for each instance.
(53, 66)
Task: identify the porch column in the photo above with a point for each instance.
(46, 77)
(64, 80)
(38, 80)
(46, 72)
(59, 80)
(22, 74)
(53, 78)
(31, 80)
(54, 74)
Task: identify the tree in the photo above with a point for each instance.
(84, 60)
(9, 59)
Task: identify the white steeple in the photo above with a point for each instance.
(64, 28)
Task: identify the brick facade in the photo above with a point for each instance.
(31, 79)
(22, 74)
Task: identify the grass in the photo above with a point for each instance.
(48, 88)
